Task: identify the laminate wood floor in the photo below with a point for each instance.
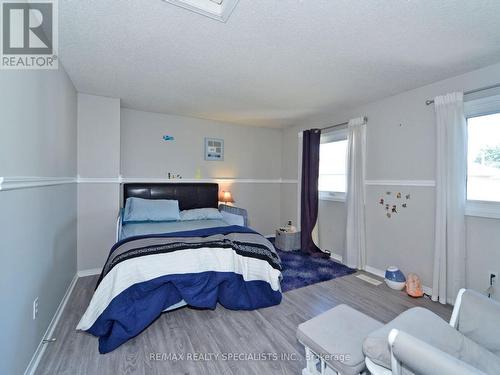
(266, 333)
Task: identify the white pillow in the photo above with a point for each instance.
(200, 214)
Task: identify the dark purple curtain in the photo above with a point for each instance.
(309, 191)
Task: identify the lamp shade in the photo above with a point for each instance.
(226, 197)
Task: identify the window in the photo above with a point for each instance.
(332, 166)
(483, 158)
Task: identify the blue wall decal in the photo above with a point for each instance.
(168, 138)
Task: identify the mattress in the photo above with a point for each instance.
(146, 275)
(139, 229)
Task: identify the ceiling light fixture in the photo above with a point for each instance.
(219, 10)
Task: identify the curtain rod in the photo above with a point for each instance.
(342, 124)
(429, 102)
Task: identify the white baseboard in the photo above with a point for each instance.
(375, 271)
(35, 360)
(89, 272)
(380, 273)
(336, 257)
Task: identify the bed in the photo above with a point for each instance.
(157, 266)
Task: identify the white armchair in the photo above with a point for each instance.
(422, 343)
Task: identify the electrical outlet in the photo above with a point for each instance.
(35, 308)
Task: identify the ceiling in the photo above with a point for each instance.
(274, 63)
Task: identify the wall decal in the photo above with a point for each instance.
(391, 206)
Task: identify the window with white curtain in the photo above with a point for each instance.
(332, 165)
(483, 156)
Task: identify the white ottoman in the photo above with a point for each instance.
(334, 341)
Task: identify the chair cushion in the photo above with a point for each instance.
(430, 328)
(337, 335)
(479, 320)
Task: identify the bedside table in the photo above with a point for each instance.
(287, 241)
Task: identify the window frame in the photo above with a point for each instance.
(474, 108)
(329, 137)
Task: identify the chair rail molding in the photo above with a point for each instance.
(27, 182)
(424, 183)
(121, 179)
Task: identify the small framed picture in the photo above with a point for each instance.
(214, 149)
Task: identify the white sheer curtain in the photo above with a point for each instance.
(451, 159)
(355, 229)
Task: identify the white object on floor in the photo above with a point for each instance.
(369, 279)
(287, 241)
(396, 285)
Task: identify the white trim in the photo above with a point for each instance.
(380, 273)
(336, 257)
(120, 179)
(27, 182)
(482, 209)
(375, 271)
(456, 308)
(482, 106)
(334, 136)
(332, 196)
(395, 364)
(475, 108)
(424, 183)
(37, 356)
(100, 180)
(89, 272)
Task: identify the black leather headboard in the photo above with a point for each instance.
(189, 195)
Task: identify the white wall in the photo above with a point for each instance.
(98, 157)
(114, 141)
(332, 217)
(98, 136)
(37, 225)
(249, 153)
(401, 146)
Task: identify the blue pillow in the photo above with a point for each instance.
(201, 214)
(138, 209)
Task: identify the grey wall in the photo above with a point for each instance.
(98, 136)
(401, 146)
(250, 153)
(37, 225)
(332, 224)
(98, 157)
(114, 141)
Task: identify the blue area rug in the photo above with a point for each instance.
(300, 270)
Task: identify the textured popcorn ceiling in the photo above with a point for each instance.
(275, 62)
